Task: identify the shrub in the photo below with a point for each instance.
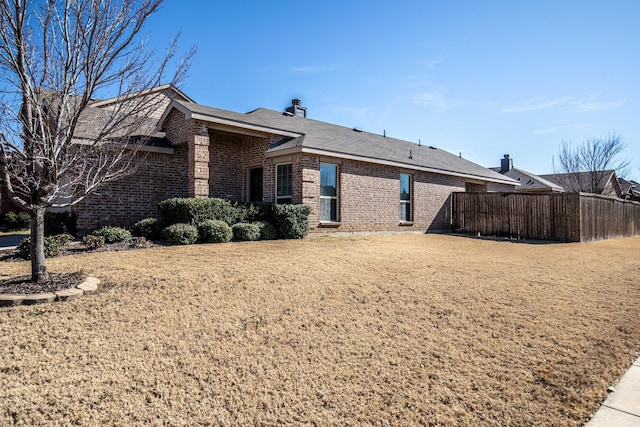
(196, 211)
(17, 220)
(267, 231)
(148, 228)
(113, 234)
(214, 231)
(291, 221)
(180, 234)
(139, 242)
(93, 242)
(248, 212)
(59, 223)
(51, 248)
(245, 231)
(63, 238)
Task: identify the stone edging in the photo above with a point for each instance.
(90, 285)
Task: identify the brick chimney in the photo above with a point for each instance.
(296, 108)
(506, 164)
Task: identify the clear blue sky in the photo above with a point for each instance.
(484, 78)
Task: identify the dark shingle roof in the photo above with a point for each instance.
(529, 181)
(580, 181)
(304, 134)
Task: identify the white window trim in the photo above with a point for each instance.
(276, 186)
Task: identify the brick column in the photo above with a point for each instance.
(199, 161)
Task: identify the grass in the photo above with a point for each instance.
(378, 330)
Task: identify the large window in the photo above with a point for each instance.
(283, 183)
(328, 192)
(405, 197)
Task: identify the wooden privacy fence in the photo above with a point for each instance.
(567, 217)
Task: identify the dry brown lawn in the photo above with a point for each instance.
(377, 330)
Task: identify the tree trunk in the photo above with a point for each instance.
(38, 264)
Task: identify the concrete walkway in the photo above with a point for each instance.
(622, 407)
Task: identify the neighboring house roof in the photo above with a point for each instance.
(635, 189)
(530, 182)
(304, 135)
(583, 181)
(630, 189)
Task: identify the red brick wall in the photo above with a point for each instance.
(254, 150)
(225, 168)
(231, 157)
(369, 196)
(135, 197)
(195, 135)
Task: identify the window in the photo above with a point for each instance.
(405, 197)
(283, 183)
(328, 192)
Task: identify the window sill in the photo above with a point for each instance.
(329, 225)
(406, 224)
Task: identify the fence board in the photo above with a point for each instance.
(568, 217)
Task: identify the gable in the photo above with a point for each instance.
(161, 98)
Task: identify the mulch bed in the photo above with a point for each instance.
(77, 248)
(59, 281)
(56, 282)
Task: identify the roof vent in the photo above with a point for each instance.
(357, 130)
(296, 109)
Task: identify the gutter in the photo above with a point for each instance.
(306, 150)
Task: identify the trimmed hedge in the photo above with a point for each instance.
(113, 234)
(180, 234)
(267, 231)
(214, 231)
(149, 228)
(290, 221)
(245, 231)
(195, 211)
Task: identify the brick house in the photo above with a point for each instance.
(352, 180)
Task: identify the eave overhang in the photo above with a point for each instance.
(226, 125)
(320, 152)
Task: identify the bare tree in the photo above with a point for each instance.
(584, 166)
(56, 57)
